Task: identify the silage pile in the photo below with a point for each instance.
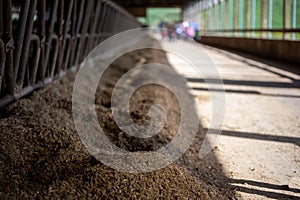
(42, 156)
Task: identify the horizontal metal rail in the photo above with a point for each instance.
(295, 30)
(43, 40)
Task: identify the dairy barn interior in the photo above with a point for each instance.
(154, 99)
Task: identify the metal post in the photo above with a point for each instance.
(231, 15)
(270, 21)
(19, 75)
(226, 16)
(253, 16)
(42, 30)
(235, 16)
(49, 33)
(248, 17)
(286, 18)
(210, 15)
(217, 19)
(294, 17)
(264, 18)
(223, 17)
(8, 41)
(241, 15)
(19, 40)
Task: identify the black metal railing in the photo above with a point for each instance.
(283, 34)
(43, 40)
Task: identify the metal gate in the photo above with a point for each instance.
(42, 40)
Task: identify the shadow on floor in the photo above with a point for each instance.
(230, 53)
(245, 92)
(294, 84)
(258, 136)
(265, 185)
(262, 185)
(267, 190)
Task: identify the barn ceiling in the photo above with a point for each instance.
(138, 7)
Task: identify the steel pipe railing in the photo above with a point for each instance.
(43, 40)
(248, 33)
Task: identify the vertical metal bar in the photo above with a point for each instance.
(2, 62)
(72, 44)
(236, 16)
(220, 16)
(248, 17)
(226, 13)
(286, 18)
(217, 20)
(113, 17)
(264, 16)
(100, 26)
(41, 12)
(69, 42)
(253, 16)
(24, 56)
(207, 18)
(106, 18)
(96, 18)
(93, 40)
(20, 36)
(86, 21)
(1, 22)
(74, 15)
(59, 32)
(80, 17)
(115, 24)
(211, 18)
(107, 21)
(76, 33)
(54, 50)
(201, 25)
(60, 17)
(9, 81)
(294, 18)
(49, 36)
(270, 20)
(118, 19)
(241, 15)
(231, 15)
(33, 70)
(200, 13)
(67, 23)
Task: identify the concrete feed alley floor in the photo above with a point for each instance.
(259, 147)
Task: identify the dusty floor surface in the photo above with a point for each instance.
(41, 155)
(259, 147)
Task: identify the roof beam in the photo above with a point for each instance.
(137, 11)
